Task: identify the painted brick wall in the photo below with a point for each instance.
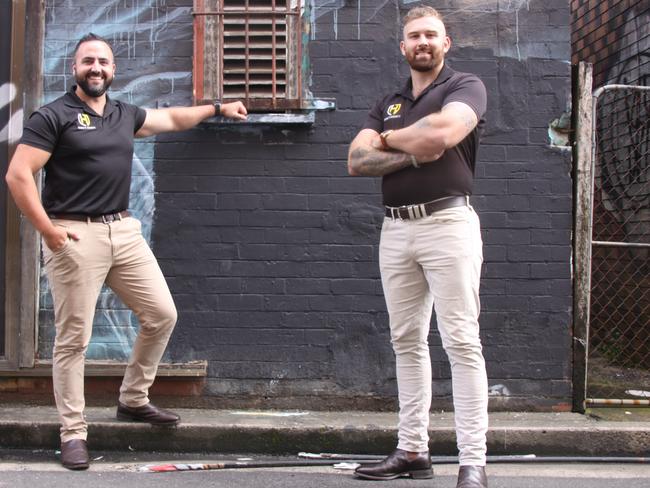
(269, 247)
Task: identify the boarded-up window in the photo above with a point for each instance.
(248, 50)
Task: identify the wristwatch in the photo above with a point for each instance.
(382, 138)
(217, 108)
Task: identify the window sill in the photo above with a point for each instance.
(115, 368)
(306, 116)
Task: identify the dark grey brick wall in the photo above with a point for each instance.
(270, 249)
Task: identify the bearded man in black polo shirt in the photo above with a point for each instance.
(423, 141)
(84, 141)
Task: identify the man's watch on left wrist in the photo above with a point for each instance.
(382, 138)
(217, 108)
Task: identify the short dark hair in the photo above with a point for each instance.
(91, 37)
(421, 11)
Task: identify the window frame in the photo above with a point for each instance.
(22, 241)
(209, 85)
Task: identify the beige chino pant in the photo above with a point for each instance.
(436, 262)
(116, 254)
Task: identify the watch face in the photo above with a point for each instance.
(382, 138)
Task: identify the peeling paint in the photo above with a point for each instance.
(559, 130)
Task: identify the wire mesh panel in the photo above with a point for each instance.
(619, 326)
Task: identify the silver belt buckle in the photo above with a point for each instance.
(394, 213)
(417, 211)
(109, 218)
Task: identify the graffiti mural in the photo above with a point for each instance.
(619, 354)
(624, 138)
(519, 36)
(141, 33)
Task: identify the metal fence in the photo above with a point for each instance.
(618, 365)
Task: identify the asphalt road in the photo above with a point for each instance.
(30, 469)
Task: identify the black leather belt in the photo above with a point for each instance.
(420, 210)
(106, 219)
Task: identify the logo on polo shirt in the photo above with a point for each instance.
(84, 122)
(393, 111)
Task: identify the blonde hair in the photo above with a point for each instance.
(421, 11)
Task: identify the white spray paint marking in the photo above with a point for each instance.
(518, 6)
(638, 393)
(168, 75)
(511, 48)
(257, 413)
(498, 390)
(14, 128)
(322, 7)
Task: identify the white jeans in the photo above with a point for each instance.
(436, 261)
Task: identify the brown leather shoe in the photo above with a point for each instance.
(397, 464)
(74, 454)
(147, 413)
(472, 477)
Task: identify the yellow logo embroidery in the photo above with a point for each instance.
(394, 109)
(83, 119)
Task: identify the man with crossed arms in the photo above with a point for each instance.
(423, 141)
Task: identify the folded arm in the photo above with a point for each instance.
(428, 138)
(366, 159)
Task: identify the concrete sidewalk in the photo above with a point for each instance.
(289, 432)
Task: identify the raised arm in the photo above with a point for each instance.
(26, 162)
(182, 118)
(366, 159)
(429, 137)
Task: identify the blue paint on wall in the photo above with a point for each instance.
(136, 30)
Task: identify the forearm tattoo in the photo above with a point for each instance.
(370, 162)
(423, 123)
(469, 122)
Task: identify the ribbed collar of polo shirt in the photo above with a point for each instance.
(71, 99)
(407, 91)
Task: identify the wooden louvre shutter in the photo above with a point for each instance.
(248, 50)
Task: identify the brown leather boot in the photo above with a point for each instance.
(147, 413)
(398, 464)
(74, 454)
(472, 477)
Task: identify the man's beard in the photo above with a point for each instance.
(422, 65)
(93, 91)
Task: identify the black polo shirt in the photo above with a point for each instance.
(89, 171)
(453, 173)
